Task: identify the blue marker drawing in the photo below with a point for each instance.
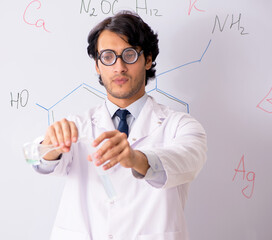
(173, 69)
(92, 90)
(103, 95)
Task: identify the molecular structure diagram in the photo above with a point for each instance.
(102, 95)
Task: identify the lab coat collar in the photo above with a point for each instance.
(150, 118)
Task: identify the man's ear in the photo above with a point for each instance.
(148, 62)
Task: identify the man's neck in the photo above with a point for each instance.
(123, 103)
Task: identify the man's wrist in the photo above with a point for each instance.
(141, 163)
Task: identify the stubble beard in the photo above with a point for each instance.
(124, 95)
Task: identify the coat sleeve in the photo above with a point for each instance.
(184, 153)
(58, 167)
(61, 166)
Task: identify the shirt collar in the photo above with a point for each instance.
(134, 108)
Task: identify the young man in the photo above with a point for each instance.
(151, 159)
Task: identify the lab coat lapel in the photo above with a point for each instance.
(150, 118)
(102, 119)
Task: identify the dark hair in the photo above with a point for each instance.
(135, 29)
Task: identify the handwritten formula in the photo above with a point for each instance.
(234, 22)
(34, 5)
(112, 6)
(249, 177)
(20, 99)
(193, 5)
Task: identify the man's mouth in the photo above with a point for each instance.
(120, 81)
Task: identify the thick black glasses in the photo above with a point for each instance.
(129, 55)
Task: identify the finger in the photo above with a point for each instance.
(51, 135)
(125, 159)
(74, 132)
(66, 132)
(57, 126)
(103, 136)
(62, 131)
(115, 151)
(111, 147)
(70, 132)
(122, 158)
(110, 164)
(90, 158)
(51, 138)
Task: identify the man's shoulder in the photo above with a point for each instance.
(88, 114)
(163, 110)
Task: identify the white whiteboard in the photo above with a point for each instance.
(214, 61)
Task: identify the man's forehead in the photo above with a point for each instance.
(111, 40)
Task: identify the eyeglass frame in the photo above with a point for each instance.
(119, 56)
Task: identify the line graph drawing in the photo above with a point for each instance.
(102, 95)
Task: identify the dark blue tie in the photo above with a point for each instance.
(123, 126)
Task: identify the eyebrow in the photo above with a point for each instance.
(108, 49)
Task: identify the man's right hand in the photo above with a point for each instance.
(60, 134)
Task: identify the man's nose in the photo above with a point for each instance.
(120, 65)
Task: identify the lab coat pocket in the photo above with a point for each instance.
(162, 236)
(59, 233)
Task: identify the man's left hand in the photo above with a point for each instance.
(117, 150)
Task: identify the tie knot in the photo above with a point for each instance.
(122, 114)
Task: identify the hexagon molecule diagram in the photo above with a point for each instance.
(90, 97)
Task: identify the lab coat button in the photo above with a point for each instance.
(134, 139)
(110, 236)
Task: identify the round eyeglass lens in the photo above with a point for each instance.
(108, 57)
(130, 55)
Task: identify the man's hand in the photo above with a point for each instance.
(117, 150)
(60, 134)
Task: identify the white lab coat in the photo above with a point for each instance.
(141, 212)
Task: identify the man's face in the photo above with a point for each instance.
(125, 83)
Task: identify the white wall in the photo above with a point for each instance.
(223, 76)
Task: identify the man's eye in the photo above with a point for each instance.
(130, 56)
(107, 56)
